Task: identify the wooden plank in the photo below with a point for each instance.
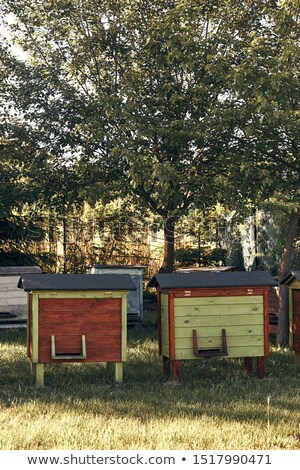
(186, 311)
(238, 351)
(164, 311)
(219, 292)
(80, 305)
(97, 350)
(80, 294)
(221, 300)
(266, 326)
(123, 330)
(164, 300)
(73, 317)
(80, 328)
(159, 307)
(165, 349)
(291, 317)
(216, 320)
(215, 342)
(118, 372)
(35, 329)
(171, 327)
(240, 330)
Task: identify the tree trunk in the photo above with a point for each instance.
(284, 268)
(169, 251)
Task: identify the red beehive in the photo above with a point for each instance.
(292, 280)
(76, 318)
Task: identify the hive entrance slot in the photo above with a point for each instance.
(210, 352)
(55, 355)
(5, 315)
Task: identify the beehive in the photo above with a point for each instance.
(205, 314)
(292, 280)
(76, 318)
(135, 298)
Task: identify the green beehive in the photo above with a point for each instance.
(292, 280)
(204, 314)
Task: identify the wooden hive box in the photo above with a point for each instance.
(13, 301)
(205, 314)
(292, 280)
(76, 318)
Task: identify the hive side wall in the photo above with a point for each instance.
(241, 316)
(295, 336)
(100, 317)
(164, 324)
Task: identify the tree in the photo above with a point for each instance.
(154, 110)
(268, 137)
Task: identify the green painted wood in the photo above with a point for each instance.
(216, 320)
(165, 349)
(228, 300)
(215, 342)
(233, 330)
(38, 374)
(164, 325)
(164, 311)
(80, 294)
(164, 300)
(118, 372)
(232, 309)
(35, 328)
(239, 351)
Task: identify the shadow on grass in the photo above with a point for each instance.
(215, 387)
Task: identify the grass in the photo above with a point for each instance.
(214, 407)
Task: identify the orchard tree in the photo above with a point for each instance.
(154, 113)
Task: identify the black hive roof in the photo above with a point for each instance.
(61, 282)
(212, 279)
(291, 277)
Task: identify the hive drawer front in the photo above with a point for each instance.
(69, 320)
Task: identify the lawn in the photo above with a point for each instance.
(214, 407)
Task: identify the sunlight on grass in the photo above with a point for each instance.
(214, 407)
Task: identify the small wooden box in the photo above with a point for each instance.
(76, 318)
(205, 314)
(292, 280)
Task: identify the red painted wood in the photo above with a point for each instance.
(29, 326)
(296, 345)
(68, 319)
(175, 370)
(171, 327)
(296, 320)
(296, 295)
(98, 349)
(79, 328)
(159, 321)
(261, 367)
(248, 366)
(217, 292)
(166, 365)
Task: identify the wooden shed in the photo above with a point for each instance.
(205, 314)
(292, 280)
(76, 318)
(13, 301)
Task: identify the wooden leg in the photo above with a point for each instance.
(166, 365)
(38, 374)
(175, 370)
(297, 359)
(119, 372)
(261, 367)
(248, 366)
